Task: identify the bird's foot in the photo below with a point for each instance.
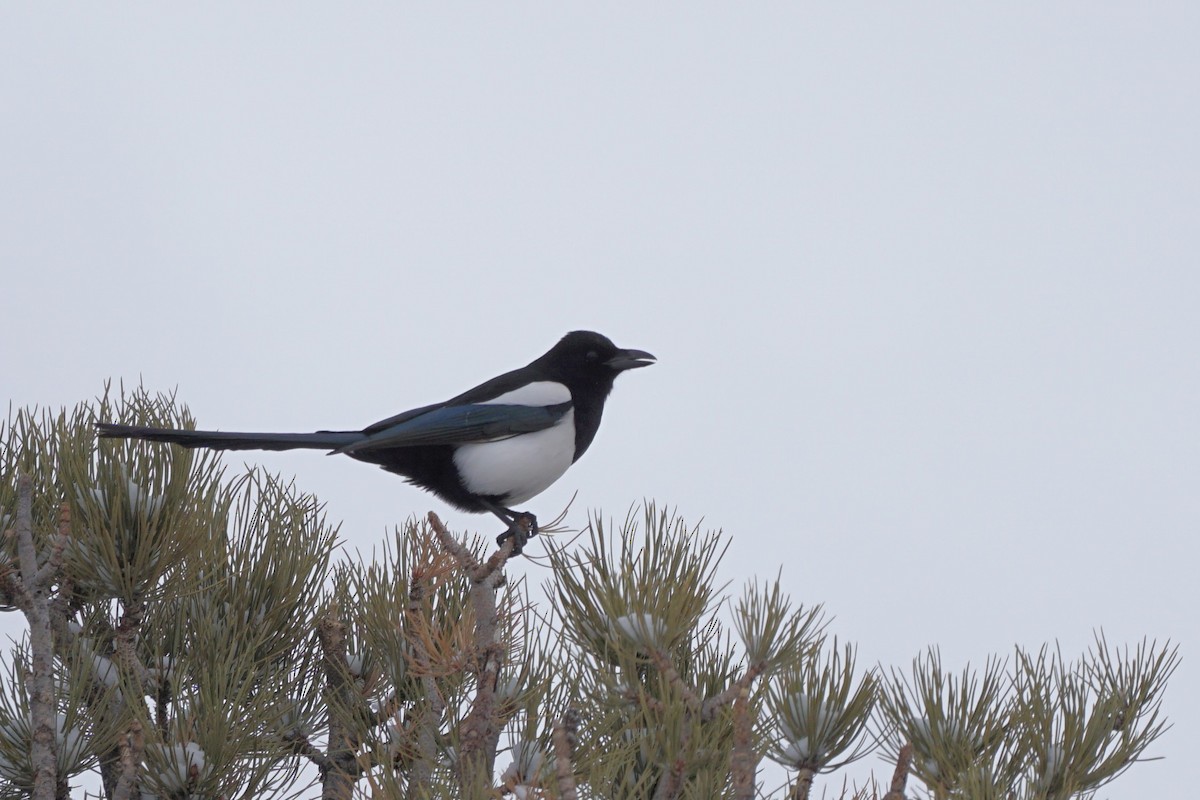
(522, 527)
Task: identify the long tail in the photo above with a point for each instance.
(217, 440)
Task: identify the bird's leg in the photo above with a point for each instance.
(522, 526)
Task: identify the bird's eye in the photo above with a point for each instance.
(592, 355)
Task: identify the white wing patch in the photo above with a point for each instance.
(519, 467)
(539, 393)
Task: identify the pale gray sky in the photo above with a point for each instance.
(922, 278)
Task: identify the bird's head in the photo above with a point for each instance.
(584, 357)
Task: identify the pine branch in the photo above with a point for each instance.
(131, 746)
(802, 788)
(12, 588)
(743, 763)
(427, 717)
(479, 732)
(662, 662)
(42, 712)
(337, 778)
(49, 573)
(564, 769)
(670, 786)
(900, 777)
(125, 645)
(742, 685)
(302, 746)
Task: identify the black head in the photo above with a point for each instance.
(584, 358)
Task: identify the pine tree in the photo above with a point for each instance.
(195, 634)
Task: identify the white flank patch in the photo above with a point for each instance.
(540, 393)
(519, 467)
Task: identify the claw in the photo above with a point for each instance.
(521, 528)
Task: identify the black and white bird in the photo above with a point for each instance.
(488, 449)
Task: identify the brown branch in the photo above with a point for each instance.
(131, 745)
(714, 704)
(743, 764)
(427, 717)
(571, 721)
(564, 770)
(48, 574)
(497, 560)
(465, 558)
(670, 786)
(639, 697)
(803, 785)
(43, 714)
(302, 746)
(479, 733)
(662, 662)
(60, 608)
(12, 588)
(338, 777)
(125, 646)
(101, 704)
(900, 776)
(387, 709)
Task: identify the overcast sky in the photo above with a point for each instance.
(923, 279)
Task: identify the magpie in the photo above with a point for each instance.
(486, 450)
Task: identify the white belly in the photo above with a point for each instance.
(520, 467)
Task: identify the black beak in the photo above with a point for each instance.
(630, 359)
